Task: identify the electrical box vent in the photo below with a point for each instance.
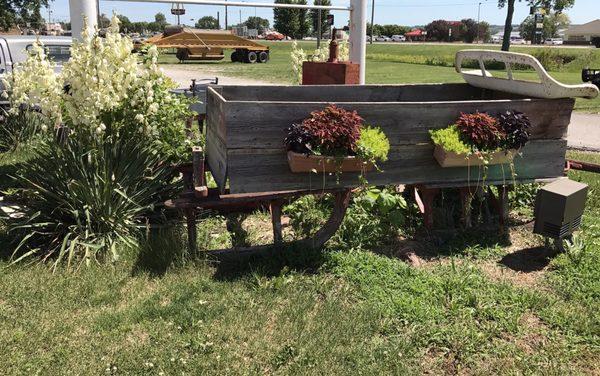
(559, 208)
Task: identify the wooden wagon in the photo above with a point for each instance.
(246, 126)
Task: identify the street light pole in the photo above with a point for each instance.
(372, 19)
(226, 16)
(478, 22)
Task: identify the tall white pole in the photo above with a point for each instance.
(80, 9)
(358, 35)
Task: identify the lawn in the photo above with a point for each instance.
(476, 303)
(399, 63)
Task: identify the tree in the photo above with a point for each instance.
(21, 12)
(258, 23)
(484, 31)
(557, 5)
(314, 16)
(207, 22)
(438, 30)
(552, 23)
(160, 22)
(126, 25)
(468, 30)
(291, 22)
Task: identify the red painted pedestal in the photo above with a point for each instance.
(340, 73)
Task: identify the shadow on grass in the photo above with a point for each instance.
(529, 260)
(269, 262)
(166, 247)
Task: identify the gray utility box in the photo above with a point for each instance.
(559, 207)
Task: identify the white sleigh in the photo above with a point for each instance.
(547, 87)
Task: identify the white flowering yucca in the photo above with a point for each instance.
(102, 85)
(299, 56)
(92, 193)
(101, 73)
(35, 83)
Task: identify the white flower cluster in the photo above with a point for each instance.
(299, 56)
(101, 76)
(34, 83)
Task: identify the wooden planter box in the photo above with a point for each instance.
(320, 163)
(451, 159)
(246, 127)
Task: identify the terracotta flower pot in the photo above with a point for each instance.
(451, 159)
(307, 163)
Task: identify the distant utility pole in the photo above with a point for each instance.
(219, 19)
(372, 20)
(225, 16)
(478, 22)
(240, 16)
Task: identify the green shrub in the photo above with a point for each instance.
(17, 128)
(373, 145)
(450, 139)
(83, 204)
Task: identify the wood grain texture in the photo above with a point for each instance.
(248, 124)
(259, 170)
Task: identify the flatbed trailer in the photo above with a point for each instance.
(206, 45)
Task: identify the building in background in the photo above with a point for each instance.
(588, 33)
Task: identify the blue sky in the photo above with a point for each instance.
(404, 12)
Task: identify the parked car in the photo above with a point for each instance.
(382, 38)
(515, 40)
(273, 35)
(13, 50)
(398, 38)
(554, 41)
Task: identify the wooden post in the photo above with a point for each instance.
(190, 216)
(275, 208)
(466, 198)
(425, 201)
(200, 188)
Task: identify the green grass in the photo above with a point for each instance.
(396, 64)
(338, 312)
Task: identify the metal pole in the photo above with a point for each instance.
(478, 22)
(244, 4)
(319, 28)
(80, 10)
(226, 15)
(358, 35)
(372, 20)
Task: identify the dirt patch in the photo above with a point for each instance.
(498, 273)
(535, 331)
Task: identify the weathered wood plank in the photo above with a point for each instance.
(216, 149)
(264, 125)
(362, 93)
(260, 170)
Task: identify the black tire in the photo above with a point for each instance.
(263, 57)
(182, 54)
(251, 57)
(596, 42)
(234, 57)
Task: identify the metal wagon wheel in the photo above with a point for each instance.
(274, 201)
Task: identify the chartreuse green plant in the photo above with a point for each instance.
(373, 145)
(450, 139)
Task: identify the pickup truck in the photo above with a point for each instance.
(13, 50)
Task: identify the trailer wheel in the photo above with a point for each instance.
(235, 57)
(182, 54)
(596, 42)
(251, 57)
(263, 57)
